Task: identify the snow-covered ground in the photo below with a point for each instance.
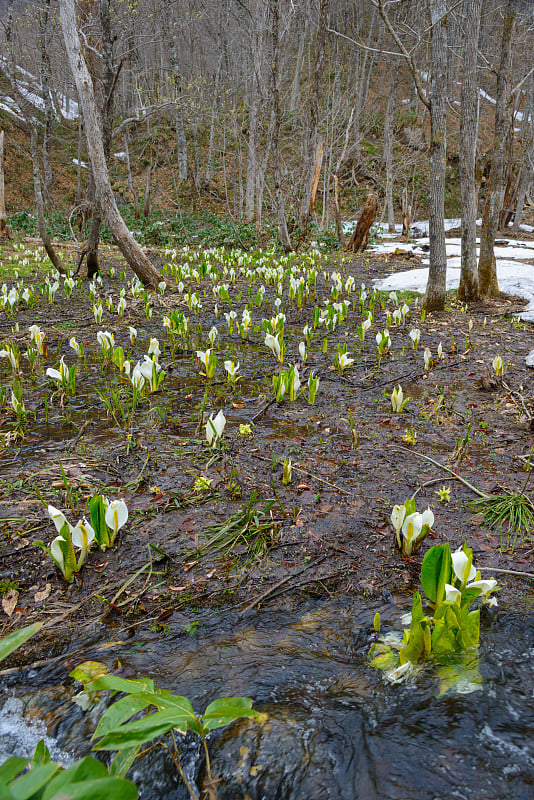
(514, 276)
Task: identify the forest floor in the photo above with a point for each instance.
(328, 530)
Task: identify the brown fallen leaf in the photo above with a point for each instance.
(43, 594)
(9, 601)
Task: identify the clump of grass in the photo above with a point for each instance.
(250, 532)
(509, 512)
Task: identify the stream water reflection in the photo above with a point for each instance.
(335, 729)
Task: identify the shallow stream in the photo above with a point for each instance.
(335, 729)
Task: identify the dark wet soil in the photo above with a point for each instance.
(329, 529)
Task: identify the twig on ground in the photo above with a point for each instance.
(276, 586)
(441, 466)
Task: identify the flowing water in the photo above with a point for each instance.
(336, 729)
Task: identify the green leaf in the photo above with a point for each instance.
(5, 794)
(227, 709)
(31, 782)
(123, 761)
(41, 754)
(436, 572)
(469, 634)
(12, 767)
(88, 671)
(120, 712)
(115, 684)
(108, 788)
(16, 639)
(141, 731)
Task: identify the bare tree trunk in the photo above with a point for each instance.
(275, 95)
(360, 235)
(252, 147)
(313, 115)
(122, 236)
(49, 113)
(129, 174)
(406, 213)
(209, 160)
(4, 230)
(434, 299)
(295, 86)
(487, 269)
(181, 142)
(468, 288)
(260, 184)
(337, 214)
(146, 198)
(388, 144)
(39, 204)
(527, 171)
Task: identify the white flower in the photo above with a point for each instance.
(215, 428)
(485, 587)
(463, 570)
(397, 518)
(451, 593)
(58, 518)
(154, 350)
(116, 516)
(232, 370)
(75, 346)
(82, 535)
(273, 343)
(133, 333)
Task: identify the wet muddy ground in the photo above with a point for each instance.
(327, 531)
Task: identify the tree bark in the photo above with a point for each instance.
(434, 299)
(93, 126)
(468, 288)
(4, 230)
(131, 186)
(360, 235)
(487, 269)
(49, 112)
(39, 203)
(388, 145)
(313, 115)
(275, 144)
(181, 142)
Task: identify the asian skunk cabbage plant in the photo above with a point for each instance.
(61, 549)
(410, 527)
(170, 713)
(451, 584)
(107, 518)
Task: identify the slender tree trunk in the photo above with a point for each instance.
(39, 204)
(437, 275)
(49, 113)
(93, 126)
(527, 172)
(4, 230)
(146, 198)
(487, 269)
(252, 147)
(181, 142)
(468, 289)
(275, 95)
(131, 186)
(313, 115)
(209, 160)
(295, 86)
(388, 145)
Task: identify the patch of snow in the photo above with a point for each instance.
(514, 278)
(81, 163)
(120, 156)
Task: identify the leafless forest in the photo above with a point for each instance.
(279, 109)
